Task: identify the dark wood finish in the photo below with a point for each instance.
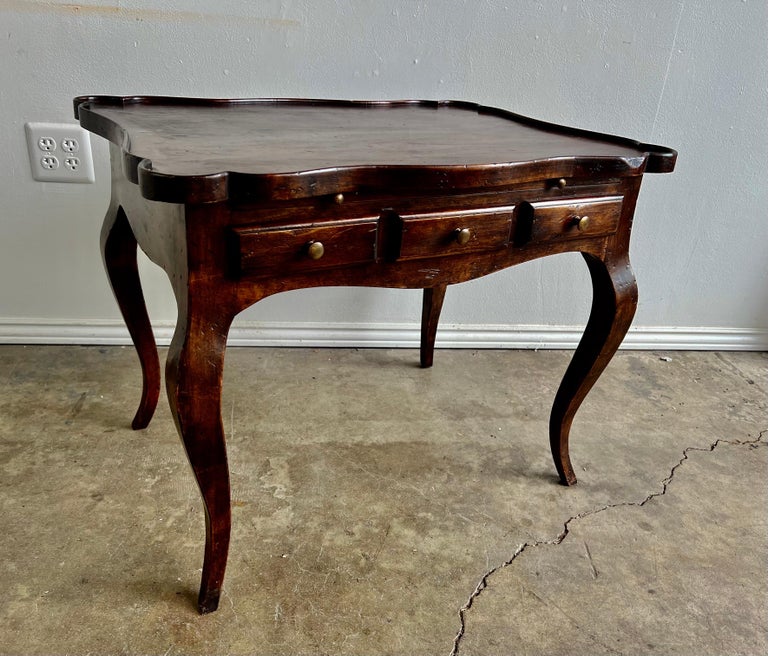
(287, 249)
(614, 299)
(431, 306)
(118, 247)
(194, 372)
(327, 146)
(552, 220)
(436, 235)
(241, 199)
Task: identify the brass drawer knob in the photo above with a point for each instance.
(463, 235)
(315, 250)
(581, 222)
(339, 198)
(561, 183)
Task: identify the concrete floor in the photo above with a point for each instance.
(384, 509)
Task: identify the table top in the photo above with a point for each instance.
(205, 150)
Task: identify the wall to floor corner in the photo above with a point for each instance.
(689, 75)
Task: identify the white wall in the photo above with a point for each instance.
(686, 74)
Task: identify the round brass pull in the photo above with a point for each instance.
(339, 198)
(315, 250)
(582, 222)
(463, 235)
(561, 183)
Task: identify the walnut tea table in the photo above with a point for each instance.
(240, 199)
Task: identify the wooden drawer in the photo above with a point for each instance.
(449, 233)
(286, 249)
(568, 219)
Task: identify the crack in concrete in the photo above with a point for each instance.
(483, 583)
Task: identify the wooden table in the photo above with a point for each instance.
(240, 199)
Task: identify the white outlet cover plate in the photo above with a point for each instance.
(59, 152)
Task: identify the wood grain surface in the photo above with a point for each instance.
(206, 150)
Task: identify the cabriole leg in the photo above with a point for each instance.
(193, 377)
(613, 305)
(118, 247)
(430, 315)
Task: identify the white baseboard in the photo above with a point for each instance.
(46, 331)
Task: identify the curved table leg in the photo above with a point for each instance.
(118, 247)
(193, 377)
(613, 305)
(430, 315)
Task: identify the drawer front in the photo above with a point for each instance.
(305, 247)
(569, 219)
(453, 233)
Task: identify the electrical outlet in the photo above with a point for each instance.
(59, 152)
